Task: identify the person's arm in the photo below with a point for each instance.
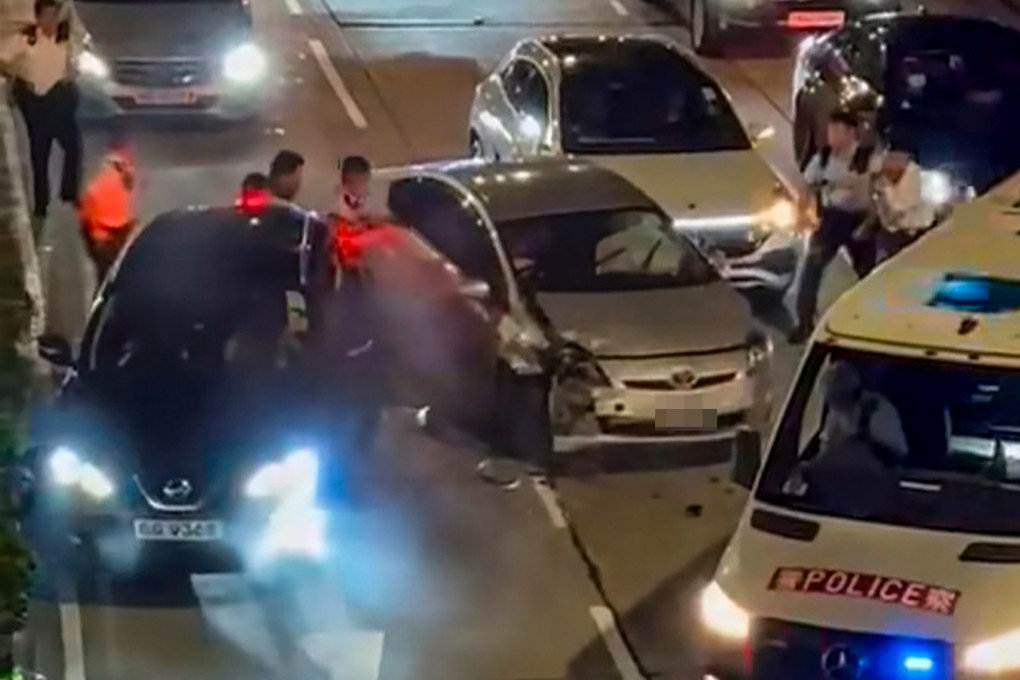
(814, 174)
(905, 195)
(12, 50)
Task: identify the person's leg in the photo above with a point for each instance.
(68, 134)
(862, 251)
(821, 249)
(40, 142)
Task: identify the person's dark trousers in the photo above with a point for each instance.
(835, 230)
(890, 243)
(48, 118)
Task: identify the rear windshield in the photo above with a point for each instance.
(921, 443)
(644, 100)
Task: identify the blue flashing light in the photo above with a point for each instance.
(916, 663)
(976, 293)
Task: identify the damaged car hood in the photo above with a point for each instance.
(641, 323)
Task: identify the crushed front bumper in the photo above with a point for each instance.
(772, 266)
(106, 99)
(799, 15)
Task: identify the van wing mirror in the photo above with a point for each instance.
(746, 458)
(56, 350)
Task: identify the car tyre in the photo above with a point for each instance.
(708, 35)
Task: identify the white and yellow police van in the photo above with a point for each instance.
(881, 538)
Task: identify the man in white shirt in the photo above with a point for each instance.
(902, 211)
(40, 58)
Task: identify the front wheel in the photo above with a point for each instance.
(708, 35)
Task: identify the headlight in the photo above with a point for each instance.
(295, 477)
(245, 64)
(90, 64)
(723, 616)
(937, 187)
(997, 655)
(780, 216)
(69, 470)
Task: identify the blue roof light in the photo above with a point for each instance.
(976, 293)
(915, 663)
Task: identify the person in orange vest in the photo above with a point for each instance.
(106, 209)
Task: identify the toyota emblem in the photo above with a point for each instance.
(683, 379)
(177, 489)
(841, 663)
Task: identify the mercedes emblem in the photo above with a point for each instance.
(683, 379)
(839, 662)
(177, 489)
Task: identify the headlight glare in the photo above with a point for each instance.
(295, 476)
(245, 64)
(722, 616)
(937, 187)
(781, 215)
(998, 655)
(91, 64)
(69, 470)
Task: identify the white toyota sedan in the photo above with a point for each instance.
(643, 107)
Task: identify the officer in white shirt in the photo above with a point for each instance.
(902, 211)
(840, 175)
(41, 59)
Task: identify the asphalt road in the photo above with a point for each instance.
(438, 574)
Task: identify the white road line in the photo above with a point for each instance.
(550, 502)
(337, 83)
(70, 636)
(606, 623)
(294, 7)
(619, 8)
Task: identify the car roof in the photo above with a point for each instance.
(618, 49)
(543, 186)
(892, 309)
(913, 27)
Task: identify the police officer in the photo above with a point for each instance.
(903, 212)
(840, 177)
(107, 210)
(41, 57)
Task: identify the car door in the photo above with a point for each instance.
(440, 326)
(526, 90)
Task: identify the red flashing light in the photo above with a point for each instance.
(253, 202)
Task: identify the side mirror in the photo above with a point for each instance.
(56, 350)
(760, 133)
(473, 289)
(746, 458)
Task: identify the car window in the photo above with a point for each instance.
(603, 251)
(453, 227)
(644, 101)
(935, 443)
(527, 90)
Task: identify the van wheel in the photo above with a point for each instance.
(708, 36)
(475, 149)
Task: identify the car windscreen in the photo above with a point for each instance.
(913, 442)
(644, 101)
(952, 99)
(612, 250)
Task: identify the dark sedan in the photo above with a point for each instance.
(945, 88)
(197, 428)
(713, 21)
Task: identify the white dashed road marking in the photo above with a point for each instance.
(550, 502)
(619, 8)
(622, 659)
(337, 84)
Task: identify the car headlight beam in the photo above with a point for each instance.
(293, 477)
(998, 655)
(91, 64)
(781, 215)
(245, 64)
(722, 616)
(69, 470)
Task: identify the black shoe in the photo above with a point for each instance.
(799, 335)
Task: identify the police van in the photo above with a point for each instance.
(881, 538)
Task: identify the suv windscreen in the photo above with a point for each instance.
(610, 251)
(893, 440)
(644, 100)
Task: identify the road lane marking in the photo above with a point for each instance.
(337, 84)
(619, 8)
(550, 502)
(622, 658)
(294, 7)
(71, 639)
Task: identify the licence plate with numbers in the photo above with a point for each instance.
(178, 530)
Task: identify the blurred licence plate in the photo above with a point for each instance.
(178, 530)
(164, 97)
(815, 19)
(686, 419)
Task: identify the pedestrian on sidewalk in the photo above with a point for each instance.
(41, 59)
